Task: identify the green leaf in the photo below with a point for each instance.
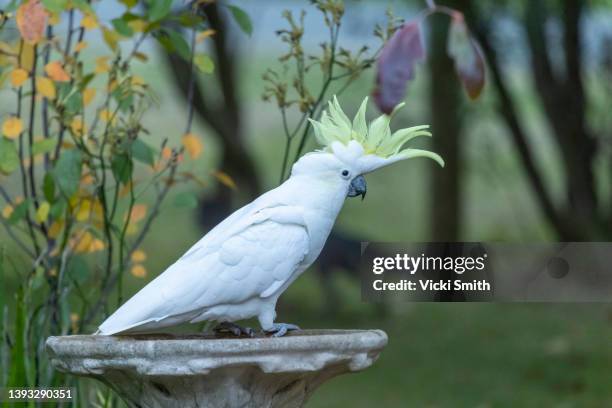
(83, 6)
(58, 208)
(242, 19)
(77, 269)
(67, 171)
(19, 212)
(43, 146)
(124, 96)
(3, 324)
(186, 200)
(55, 6)
(188, 19)
(85, 81)
(159, 9)
(49, 187)
(129, 3)
(4, 74)
(143, 152)
(17, 371)
(122, 27)
(111, 38)
(179, 44)
(165, 42)
(204, 63)
(39, 278)
(122, 167)
(70, 97)
(9, 159)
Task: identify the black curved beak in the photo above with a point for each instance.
(358, 187)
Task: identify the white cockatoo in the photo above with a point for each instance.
(240, 268)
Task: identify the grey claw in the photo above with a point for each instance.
(280, 329)
(233, 328)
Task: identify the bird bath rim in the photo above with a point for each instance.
(197, 354)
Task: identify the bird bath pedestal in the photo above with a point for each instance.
(160, 370)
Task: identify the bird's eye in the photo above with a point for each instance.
(345, 173)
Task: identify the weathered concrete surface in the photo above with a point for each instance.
(160, 370)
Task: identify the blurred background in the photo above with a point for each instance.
(530, 160)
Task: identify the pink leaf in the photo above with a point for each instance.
(396, 65)
(466, 53)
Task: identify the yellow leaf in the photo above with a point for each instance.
(166, 153)
(45, 87)
(6, 51)
(141, 56)
(224, 179)
(55, 229)
(87, 179)
(82, 242)
(131, 230)
(204, 35)
(74, 322)
(138, 271)
(89, 22)
(138, 25)
(12, 127)
(105, 115)
(102, 65)
(43, 212)
(6, 47)
(5, 74)
(137, 80)
(31, 20)
(96, 245)
(18, 77)
(26, 60)
(112, 86)
(98, 211)
(7, 211)
(139, 211)
(192, 144)
(125, 190)
(84, 211)
(80, 46)
(139, 256)
(54, 19)
(111, 38)
(88, 95)
(56, 72)
(78, 127)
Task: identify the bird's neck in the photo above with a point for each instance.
(318, 194)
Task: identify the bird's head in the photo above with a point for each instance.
(352, 149)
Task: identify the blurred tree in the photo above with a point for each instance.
(446, 126)
(560, 90)
(220, 108)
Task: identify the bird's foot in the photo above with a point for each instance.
(233, 328)
(280, 329)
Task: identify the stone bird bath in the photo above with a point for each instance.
(161, 370)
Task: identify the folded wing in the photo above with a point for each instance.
(252, 257)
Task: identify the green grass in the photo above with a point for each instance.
(484, 355)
